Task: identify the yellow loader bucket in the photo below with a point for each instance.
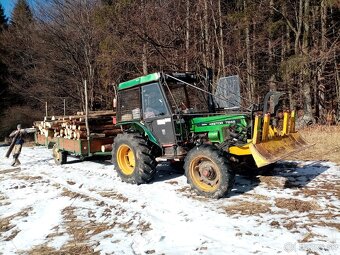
(269, 145)
(277, 148)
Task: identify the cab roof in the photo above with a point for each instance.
(183, 76)
(138, 81)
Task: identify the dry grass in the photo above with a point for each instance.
(172, 182)
(144, 226)
(28, 178)
(247, 208)
(327, 143)
(296, 204)
(114, 195)
(258, 197)
(6, 225)
(274, 181)
(68, 193)
(323, 189)
(80, 232)
(43, 250)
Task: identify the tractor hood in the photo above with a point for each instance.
(217, 126)
(203, 124)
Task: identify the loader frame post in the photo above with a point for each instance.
(292, 122)
(257, 129)
(265, 128)
(285, 123)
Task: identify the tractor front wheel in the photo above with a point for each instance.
(208, 171)
(132, 158)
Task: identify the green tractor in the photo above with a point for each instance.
(164, 117)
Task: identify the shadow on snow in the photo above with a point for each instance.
(295, 175)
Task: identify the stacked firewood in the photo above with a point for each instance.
(74, 127)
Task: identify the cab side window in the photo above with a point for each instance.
(153, 101)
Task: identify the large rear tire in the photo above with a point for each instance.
(132, 158)
(208, 171)
(60, 157)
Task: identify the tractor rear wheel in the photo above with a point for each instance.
(132, 158)
(208, 171)
(60, 157)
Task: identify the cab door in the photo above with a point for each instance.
(156, 114)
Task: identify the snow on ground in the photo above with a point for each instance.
(84, 208)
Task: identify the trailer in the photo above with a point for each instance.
(82, 148)
(67, 135)
(47, 141)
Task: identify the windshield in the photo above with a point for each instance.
(185, 99)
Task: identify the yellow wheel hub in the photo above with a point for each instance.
(56, 154)
(126, 159)
(205, 174)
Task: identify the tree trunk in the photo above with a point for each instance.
(187, 34)
(298, 30)
(323, 14)
(320, 99)
(217, 42)
(286, 51)
(222, 64)
(206, 34)
(272, 69)
(248, 58)
(145, 60)
(306, 74)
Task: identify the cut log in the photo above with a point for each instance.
(49, 133)
(97, 135)
(106, 147)
(12, 144)
(73, 126)
(112, 132)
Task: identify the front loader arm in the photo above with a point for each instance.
(268, 144)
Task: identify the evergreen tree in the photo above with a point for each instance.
(22, 14)
(3, 19)
(3, 67)
(107, 2)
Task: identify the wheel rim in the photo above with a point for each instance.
(205, 174)
(56, 154)
(126, 159)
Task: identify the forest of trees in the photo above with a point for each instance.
(48, 49)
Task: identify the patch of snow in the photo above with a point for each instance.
(163, 216)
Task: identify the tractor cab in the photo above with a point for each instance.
(159, 106)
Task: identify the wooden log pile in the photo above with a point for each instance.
(74, 127)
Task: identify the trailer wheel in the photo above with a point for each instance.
(208, 171)
(60, 157)
(132, 158)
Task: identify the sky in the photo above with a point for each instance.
(8, 6)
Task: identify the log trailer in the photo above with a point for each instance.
(67, 135)
(164, 117)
